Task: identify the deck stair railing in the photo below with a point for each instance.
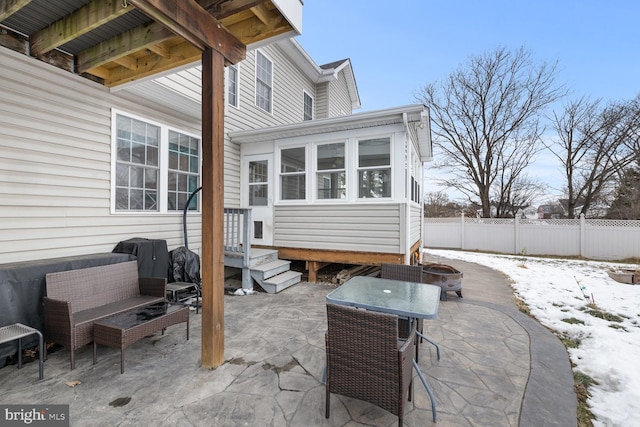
(237, 234)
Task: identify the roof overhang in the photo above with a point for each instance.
(116, 42)
(415, 118)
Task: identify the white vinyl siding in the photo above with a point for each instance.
(55, 178)
(374, 229)
(416, 224)
(339, 101)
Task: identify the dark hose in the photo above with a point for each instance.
(184, 215)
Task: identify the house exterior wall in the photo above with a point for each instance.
(322, 101)
(55, 161)
(329, 227)
(55, 165)
(339, 102)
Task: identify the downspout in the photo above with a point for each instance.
(407, 191)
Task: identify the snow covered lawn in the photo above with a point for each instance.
(559, 293)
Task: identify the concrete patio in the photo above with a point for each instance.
(498, 368)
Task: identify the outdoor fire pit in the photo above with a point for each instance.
(445, 276)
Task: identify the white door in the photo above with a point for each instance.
(258, 196)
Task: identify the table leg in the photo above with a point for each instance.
(95, 352)
(41, 353)
(121, 360)
(431, 342)
(426, 386)
(187, 328)
(19, 353)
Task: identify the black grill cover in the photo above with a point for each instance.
(152, 255)
(185, 266)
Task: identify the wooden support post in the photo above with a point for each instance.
(212, 208)
(313, 267)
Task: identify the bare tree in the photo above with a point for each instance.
(485, 119)
(594, 149)
(519, 195)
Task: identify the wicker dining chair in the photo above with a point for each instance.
(407, 273)
(366, 361)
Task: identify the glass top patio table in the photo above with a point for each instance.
(407, 299)
(139, 316)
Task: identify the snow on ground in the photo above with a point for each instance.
(558, 292)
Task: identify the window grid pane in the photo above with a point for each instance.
(264, 82)
(232, 87)
(136, 165)
(183, 177)
(308, 107)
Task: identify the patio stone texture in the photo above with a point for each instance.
(498, 368)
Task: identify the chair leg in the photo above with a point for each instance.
(327, 401)
(72, 358)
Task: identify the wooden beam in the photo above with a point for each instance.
(87, 18)
(190, 21)
(262, 13)
(253, 30)
(160, 49)
(212, 354)
(222, 10)
(122, 45)
(9, 7)
(182, 54)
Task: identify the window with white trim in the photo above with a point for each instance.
(308, 107)
(144, 182)
(233, 85)
(293, 174)
(264, 82)
(374, 168)
(331, 176)
(184, 170)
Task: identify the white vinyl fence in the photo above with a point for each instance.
(589, 238)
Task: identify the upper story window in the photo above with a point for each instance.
(331, 178)
(233, 92)
(308, 107)
(143, 181)
(264, 82)
(293, 174)
(374, 168)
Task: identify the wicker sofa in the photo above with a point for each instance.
(77, 298)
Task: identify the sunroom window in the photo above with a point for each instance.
(374, 168)
(331, 179)
(292, 174)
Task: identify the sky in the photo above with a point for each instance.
(558, 290)
(397, 47)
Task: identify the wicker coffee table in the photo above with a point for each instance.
(125, 329)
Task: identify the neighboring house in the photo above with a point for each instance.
(551, 212)
(84, 167)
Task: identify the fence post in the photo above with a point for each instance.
(582, 234)
(516, 234)
(462, 231)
